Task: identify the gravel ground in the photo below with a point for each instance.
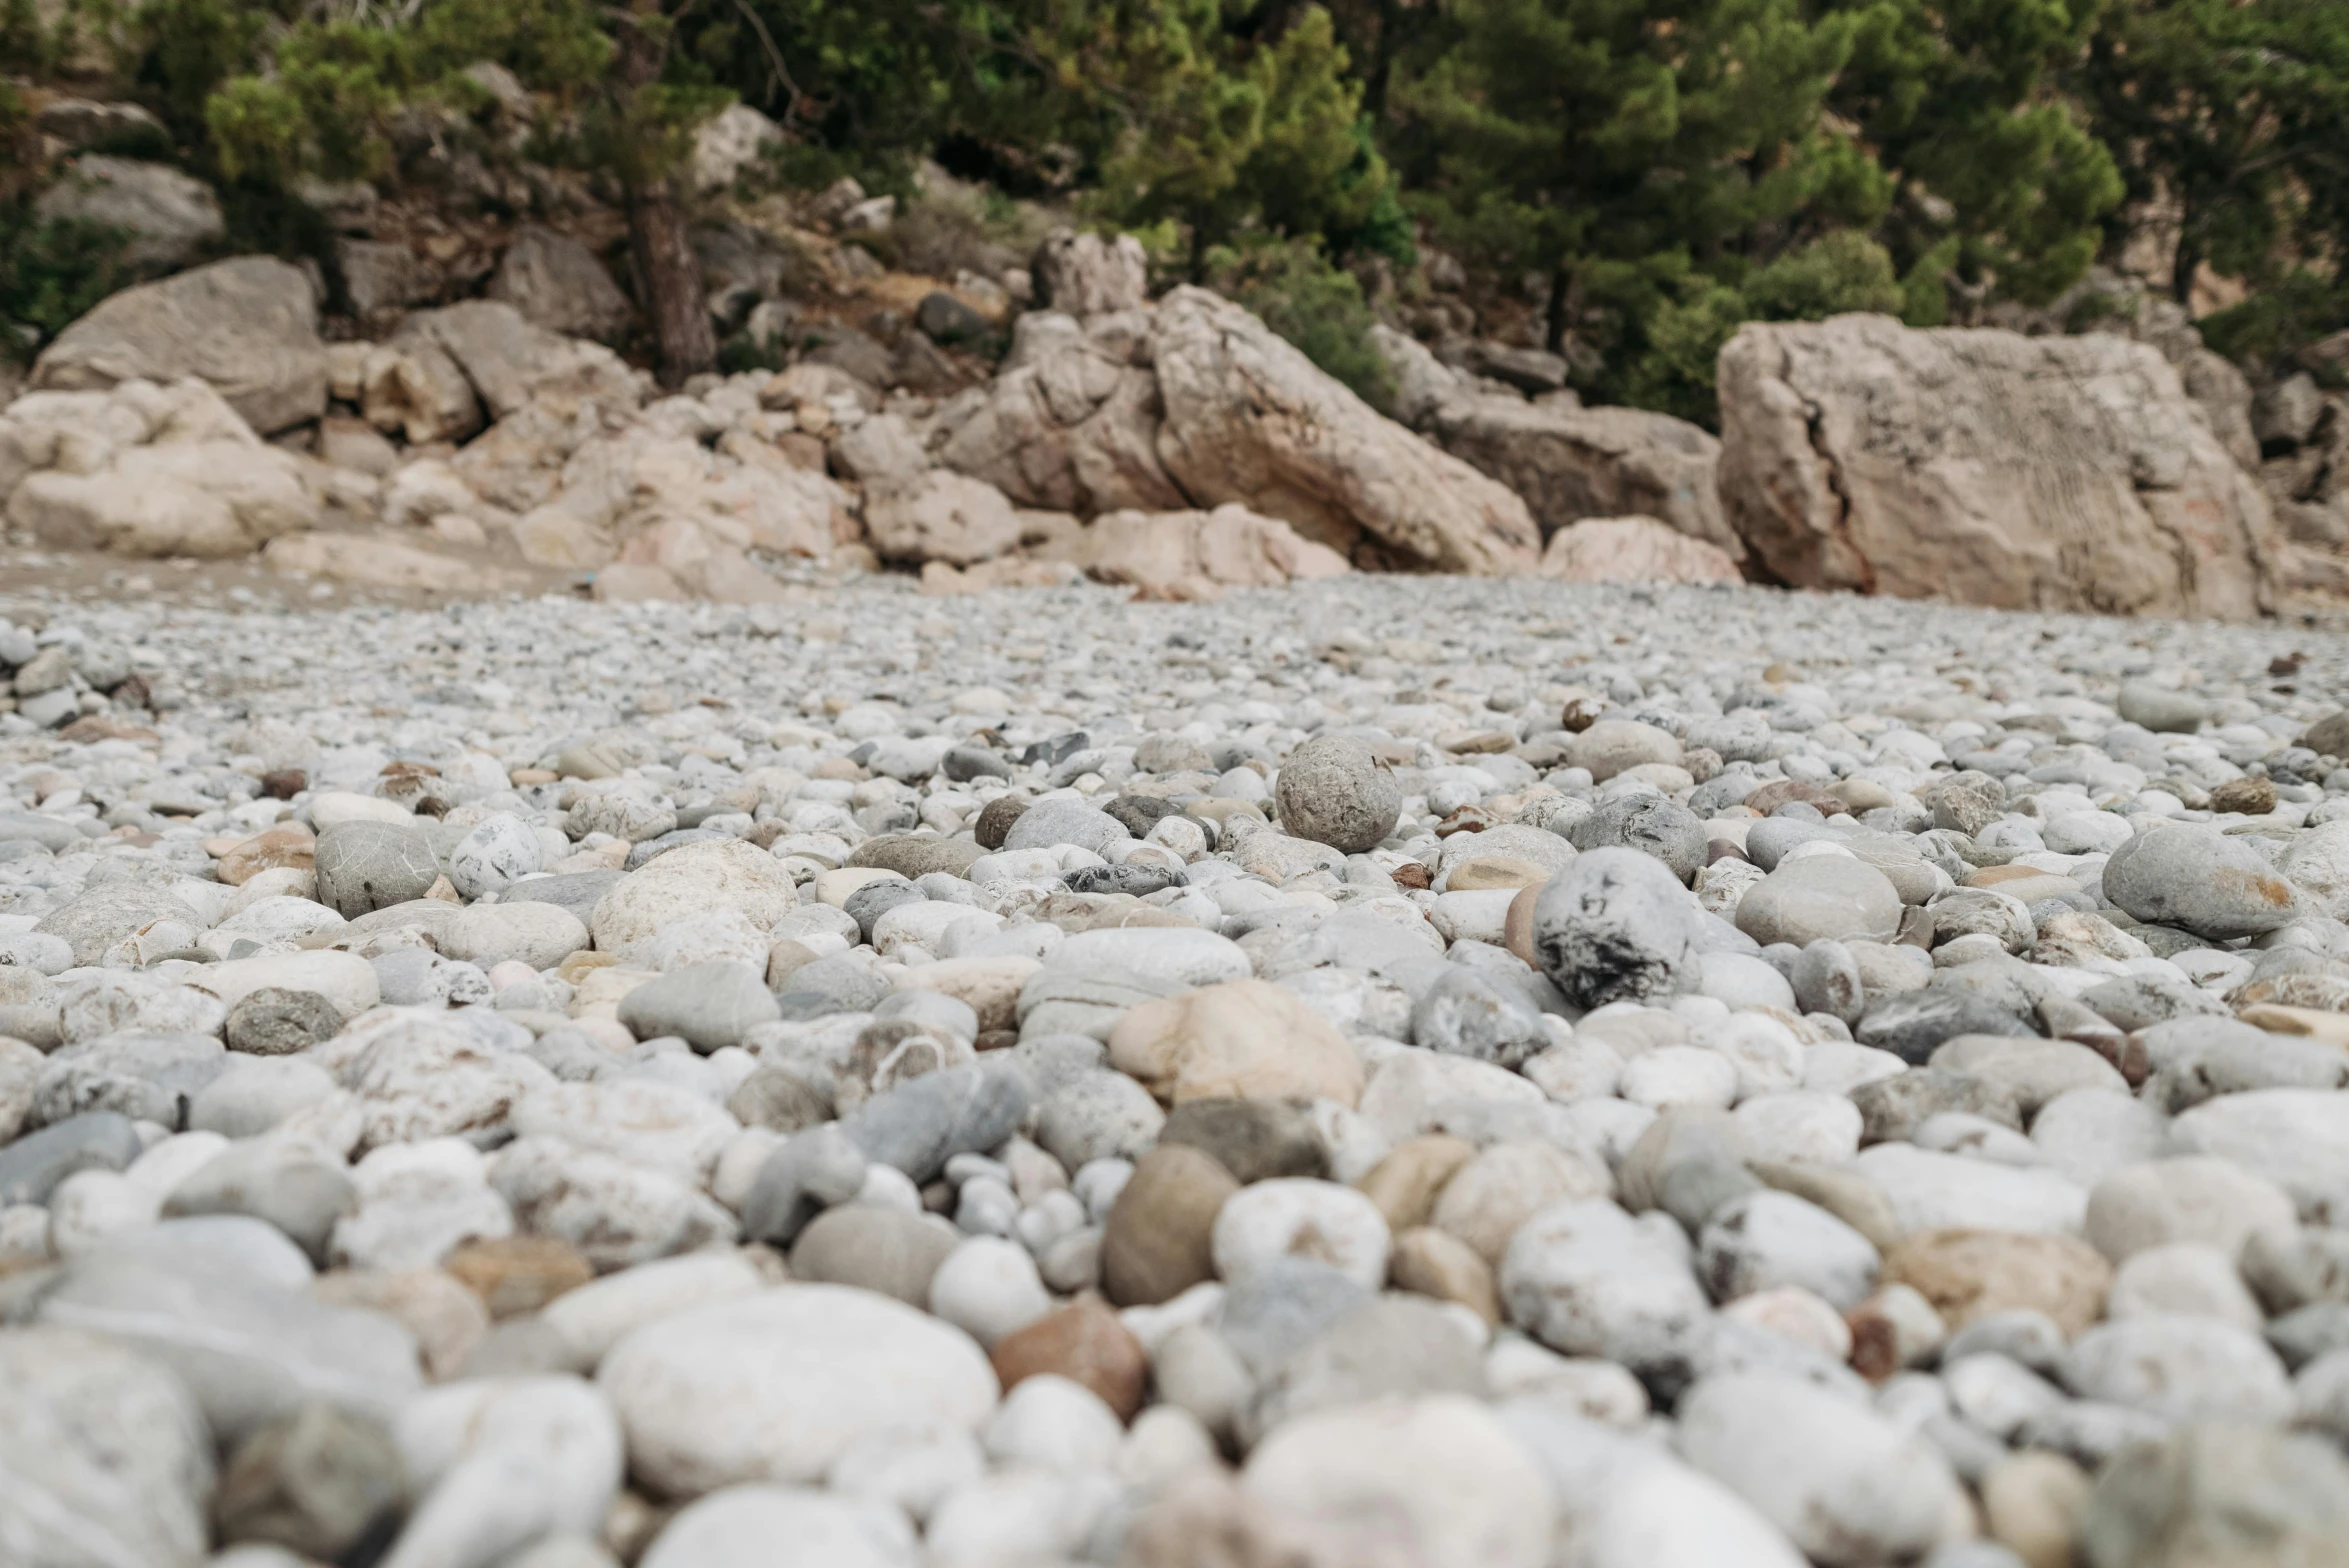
(1392, 1072)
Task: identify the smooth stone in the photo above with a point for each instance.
(1617, 926)
(2181, 1369)
(1254, 1139)
(779, 1385)
(874, 1249)
(1587, 1279)
(1334, 790)
(2219, 1493)
(710, 1006)
(366, 866)
(2201, 880)
(1820, 897)
(1159, 1240)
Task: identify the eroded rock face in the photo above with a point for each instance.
(1194, 403)
(147, 470)
(1568, 462)
(248, 325)
(1986, 467)
(1197, 555)
(1249, 418)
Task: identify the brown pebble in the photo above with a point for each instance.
(284, 783)
(1084, 1342)
(1156, 1243)
(1439, 1264)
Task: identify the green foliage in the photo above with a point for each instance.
(2234, 111)
(1839, 272)
(1620, 147)
(1314, 305)
(1222, 132)
(1957, 99)
(52, 271)
(2301, 308)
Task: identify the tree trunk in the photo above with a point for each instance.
(2188, 258)
(669, 275)
(1560, 315)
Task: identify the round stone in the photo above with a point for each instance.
(1334, 790)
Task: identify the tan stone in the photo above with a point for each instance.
(1634, 550)
(1405, 1183)
(2032, 1503)
(1240, 1038)
(447, 1319)
(1197, 555)
(290, 847)
(1969, 1273)
(517, 1274)
(1439, 1264)
(369, 561)
(1158, 1240)
(991, 986)
(1506, 1185)
(1483, 872)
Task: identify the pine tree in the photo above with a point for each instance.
(1632, 149)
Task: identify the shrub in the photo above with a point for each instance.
(52, 271)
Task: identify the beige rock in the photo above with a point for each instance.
(940, 516)
(2032, 1503)
(1088, 275)
(557, 283)
(1159, 1238)
(1634, 550)
(2054, 473)
(940, 580)
(1249, 418)
(412, 387)
(1405, 1183)
(705, 568)
(1569, 463)
(1439, 1264)
(1969, 1273)
(630, 583)
(1240, 1038)
(1506, 1185)
(693, 879)
(512, 363)
(1070, 423)
(248, 326)
(384, 563)
(991, 986)
(1196, 555)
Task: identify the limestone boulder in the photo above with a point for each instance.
(512, 363)
(940, 516)
(1568, 462)
(1070, 423)
(1249, 418)
(557, 283)
(147, 470)
(1088, 275)
(1633, 550)
(1197, 555)
(248, 326)
(2049, 473)
(168, 216)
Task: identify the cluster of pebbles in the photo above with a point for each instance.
(1391, 1073)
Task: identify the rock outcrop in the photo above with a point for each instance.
(1193, 403)
(1196, 555)
(1633, 550)
(147, 470)
(1567, 461)
(1985, 467)
(165, 215)
(248, 326)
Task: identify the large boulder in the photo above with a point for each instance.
(557, 283)
(1197, 555)
(166, 215)
(1249, 418)
(2055, 473)
(1070, 423)
(512, 363)
(248, 326)
(1568, 462)
(1193, 403)
(147, 470)
(1633, 550)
